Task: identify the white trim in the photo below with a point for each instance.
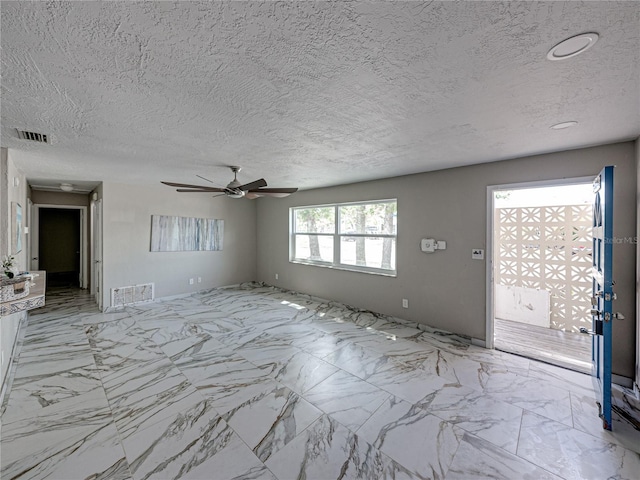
(489, 268)
(337, 238)
(83, 234)
(478, 343)
(491, 189)
(97, 265)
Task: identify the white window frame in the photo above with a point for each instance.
(337, 237)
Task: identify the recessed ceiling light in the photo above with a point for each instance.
(560, 126)
(573, 46)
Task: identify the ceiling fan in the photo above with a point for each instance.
(235, 189)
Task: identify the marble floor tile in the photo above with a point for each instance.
(328, 450)
(66, 444)
(406, 382)
(238, 338)
(31, 395)
(178, 330)
(573, 454)
(396, 330)
(340, 328)
(102, 317)
(269, 421)
(36, 366)
(479, 459)
(444, 340)
(148, 394)
(230, 387)
(192, 447)
(214, 322)
(267, 353)
(531, 394)
(476, 413)
(256, 382)
(324, 345)
(562, 378)
(357, 360)
(302, 371)
(346, 398)
(466, 368)
(193, 343)
(399, 349)
(294, 334)
(585, 418)
(423, 443)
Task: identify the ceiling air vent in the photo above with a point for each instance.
(33, 136)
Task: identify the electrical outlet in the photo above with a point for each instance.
(191, 281)
(276, 276)
(405, 303)
(199, 279)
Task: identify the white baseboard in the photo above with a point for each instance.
(622, 381)
(479, 343)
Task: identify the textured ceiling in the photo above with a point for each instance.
(308, 94)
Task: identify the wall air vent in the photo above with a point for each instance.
(131, 295)
(33, 136)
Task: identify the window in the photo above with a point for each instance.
(350, 236)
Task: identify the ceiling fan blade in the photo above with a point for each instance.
(274, 190)
(201, 190)
(252, 196)
(267, 194)
(253, 185)
(183, 185)
(200, 176)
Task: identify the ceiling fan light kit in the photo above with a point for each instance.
(235, 189)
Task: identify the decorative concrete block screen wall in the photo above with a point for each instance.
(548, 248)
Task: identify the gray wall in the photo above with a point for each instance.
(60, 198)
(448, 289)
(127, 211)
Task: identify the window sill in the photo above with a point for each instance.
(348, 268)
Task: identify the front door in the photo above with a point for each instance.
(602, 312)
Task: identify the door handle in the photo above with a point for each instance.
(34, 258)
(587, 332)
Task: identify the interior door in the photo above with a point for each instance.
(602, 312)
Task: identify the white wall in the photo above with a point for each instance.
(448, 289)
(127, 211)
(10, 324)
(16, 194)
(4, 199)
(637, 376)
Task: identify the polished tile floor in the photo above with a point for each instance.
(255, 383)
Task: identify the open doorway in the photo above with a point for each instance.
(541, 244)
(58, 244)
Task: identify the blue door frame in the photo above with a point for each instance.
(603, 296)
